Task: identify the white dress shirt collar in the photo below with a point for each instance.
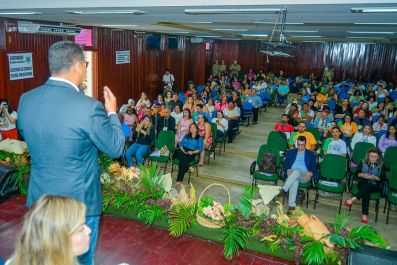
(66, 81)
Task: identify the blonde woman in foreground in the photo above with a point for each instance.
(53, 233)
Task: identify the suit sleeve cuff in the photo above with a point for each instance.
(111, 113)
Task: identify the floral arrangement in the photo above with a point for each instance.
(152, 198)
(212, 210)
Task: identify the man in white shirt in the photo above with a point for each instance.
(336, 145)
(221, 124)
(232, 114)
(168, 78)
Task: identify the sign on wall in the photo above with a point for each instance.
(122, 57)
(20, 65)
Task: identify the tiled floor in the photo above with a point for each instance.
(122, 240)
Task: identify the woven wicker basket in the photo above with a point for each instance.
(206, 222)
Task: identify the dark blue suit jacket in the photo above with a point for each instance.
(64, 130)
(310, 162)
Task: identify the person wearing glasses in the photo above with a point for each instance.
(300, 166)
(370, 173)
(64, 151)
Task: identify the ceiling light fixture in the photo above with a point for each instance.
(255, 35)
(371, 32)
(20, 13)
(206, 36)
(237, 30)
(366, 37)
(176, 32)
(375, 23)
(373, 10)
(106, 12)
(272, 23)
(200, 22)
(234, 11)
(114, 25)
(300, 36)
(371, 43)
(298, 31)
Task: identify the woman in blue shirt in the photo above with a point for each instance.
(190, 145)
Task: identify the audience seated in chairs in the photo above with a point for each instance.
(322, 105)
(144, 100)
(322, 122)
(221, 125)
(256, 103)
(361, 120)
(335, 145)
(177, 114)
(232, 114)
(200, 110)
(365, 136)
(130, 118)
(130, 105)
(204, 130)
(293, 113)
(168, 122)
(283, 125)
(126, 129)
(144, 139)
(348, 128)
(310, 141)
(282, 93)
(342, 110)
(191, 145)
(388, 139)
(183, 126)
(300, 166)
(306, 114)
(379, 127)
(370, 173)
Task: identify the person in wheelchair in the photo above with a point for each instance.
(282, 93)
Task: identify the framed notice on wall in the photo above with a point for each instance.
(122, 57)
(20, 65)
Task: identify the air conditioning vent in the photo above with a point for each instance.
(32, 28)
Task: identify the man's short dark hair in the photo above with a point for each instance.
(301, 138)
(62, 55)
(285, 115)
(302, 122)
(200, 105)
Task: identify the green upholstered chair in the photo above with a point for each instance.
(333, 170)
(165, 138)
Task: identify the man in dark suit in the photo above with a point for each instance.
(300, 166)
(64, 130)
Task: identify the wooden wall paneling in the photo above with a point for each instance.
(38, 45)
(3, 73)
(119, 77)
(195, 66)
(226, 50)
